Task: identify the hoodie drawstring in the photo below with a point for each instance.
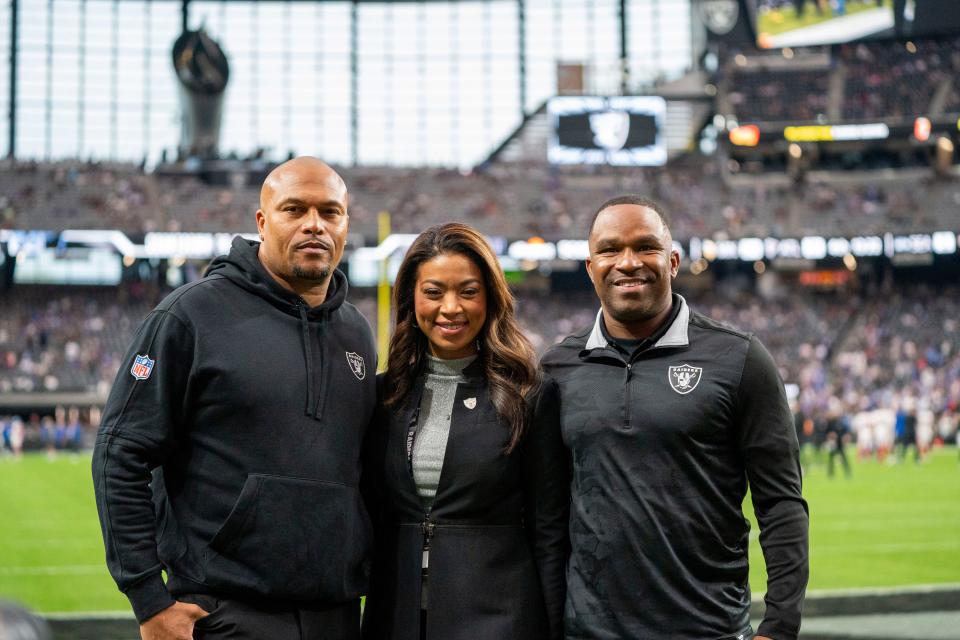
(307, 356)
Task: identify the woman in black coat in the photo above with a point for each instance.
(469, 472)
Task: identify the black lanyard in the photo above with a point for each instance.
(413, 427)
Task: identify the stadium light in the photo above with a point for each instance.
(944, 242)
(813, 247)
(750, 249)
(727, 249)
(838, 247)
(944, 154)
(745, 136)
(708, 249)
(532, 250)
(573, 249)
(866, 246)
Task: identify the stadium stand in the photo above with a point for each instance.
(884, 350)
(780, 96)
(513, 201)
(64, 339)
(890, 82)
(878, 81)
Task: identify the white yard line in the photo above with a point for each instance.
(62, 570)
(860, 547)
(51, 543)
(88, 615)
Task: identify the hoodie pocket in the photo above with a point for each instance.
(293, 538)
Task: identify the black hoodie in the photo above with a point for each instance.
(250, 407)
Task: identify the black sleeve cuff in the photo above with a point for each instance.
(149, 597)
(778, 630)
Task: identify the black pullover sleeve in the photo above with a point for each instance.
(768, 444)
(137, 430)
(546, 479)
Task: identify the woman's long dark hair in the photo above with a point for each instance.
(509, 362)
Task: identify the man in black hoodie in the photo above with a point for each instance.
(229, 451)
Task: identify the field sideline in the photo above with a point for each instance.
(887, 526)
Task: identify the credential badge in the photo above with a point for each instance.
(357, 365)
(142, 367)
(684, 378)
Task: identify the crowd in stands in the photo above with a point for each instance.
(515, 201)
(780, 96)
(54, 339)
(881, 81)
(886, 364)
(72, 195)
(886, 81)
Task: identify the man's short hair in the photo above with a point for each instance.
(640, 201)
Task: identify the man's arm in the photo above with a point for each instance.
(768, 445)
(546, 494)
(136, 432)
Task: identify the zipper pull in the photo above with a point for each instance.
(427, 528)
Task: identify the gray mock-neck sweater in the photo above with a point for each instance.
(436, 410)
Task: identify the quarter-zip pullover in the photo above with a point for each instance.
(663, 447)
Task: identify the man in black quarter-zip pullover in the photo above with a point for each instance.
(247, 394)
(669, 416)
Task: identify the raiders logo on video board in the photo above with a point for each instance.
(720, 16)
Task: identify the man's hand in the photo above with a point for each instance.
(173, 623)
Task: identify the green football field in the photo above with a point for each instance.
(776, 21)
(886, 526)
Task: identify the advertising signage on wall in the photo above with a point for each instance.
(53, 252)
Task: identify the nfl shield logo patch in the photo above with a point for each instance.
(357, 365)
(684, 378)
(142, 367)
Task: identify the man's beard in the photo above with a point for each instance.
(315, 274)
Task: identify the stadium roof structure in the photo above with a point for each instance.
(360, 82)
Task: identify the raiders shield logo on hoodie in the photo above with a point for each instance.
(359, 368)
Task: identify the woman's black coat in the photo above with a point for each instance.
(499, 546)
